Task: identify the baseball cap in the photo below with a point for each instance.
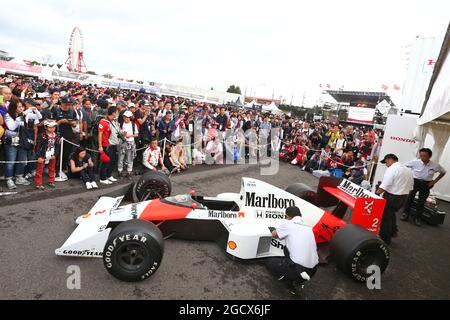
(131, 105)
(67, 100)
(50, 123)
(128, 114)
(389, 156)
(121, 103)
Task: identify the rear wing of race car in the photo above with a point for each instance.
(367, 207)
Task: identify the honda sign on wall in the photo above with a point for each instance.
(361, 114)
(398, 139)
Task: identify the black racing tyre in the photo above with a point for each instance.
(134, 250)
(152, 185)
(355, 249)
(303, 192)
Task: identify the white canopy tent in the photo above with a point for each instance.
(434, 122)
(250, 104)
(272, 108)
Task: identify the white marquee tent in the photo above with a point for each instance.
(434, 121)
(272, 108)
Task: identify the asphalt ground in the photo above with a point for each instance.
(33, 224)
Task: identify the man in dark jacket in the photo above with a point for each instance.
(166, 126)
(66, 118)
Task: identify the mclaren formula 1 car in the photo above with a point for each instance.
(127, 229)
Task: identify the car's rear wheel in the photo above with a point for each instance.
(355, 249)
(134, 250)
(303, 192)
(152, 185)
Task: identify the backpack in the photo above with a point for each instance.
(94, 128)
(26, 136)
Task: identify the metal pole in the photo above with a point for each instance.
(372, 165)
(164, 148)
(59, 179)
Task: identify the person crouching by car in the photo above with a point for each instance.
(47, 147)
(152, 158)
(300, 260)
(127, 146)
(81, 166)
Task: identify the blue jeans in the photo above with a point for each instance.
(31, 166)
(13, 153)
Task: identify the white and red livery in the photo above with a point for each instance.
(130, 237)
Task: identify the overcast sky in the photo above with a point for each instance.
(260, 45)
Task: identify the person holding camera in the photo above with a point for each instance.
(28, 135)
(127, 146)
(14, 120)
(81, 165)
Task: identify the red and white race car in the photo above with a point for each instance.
(130, 237)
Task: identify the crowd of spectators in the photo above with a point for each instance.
(69, 130)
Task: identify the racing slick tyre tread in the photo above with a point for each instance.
(156, 181)
(303, 192)
(134, 250)
(355, 249)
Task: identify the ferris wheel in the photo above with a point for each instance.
(75, 61)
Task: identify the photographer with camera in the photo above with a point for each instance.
(28, 135)
(14, 120)
(127, 146)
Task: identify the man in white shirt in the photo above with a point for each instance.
(301, 259)
(395, 187)
(423, 170)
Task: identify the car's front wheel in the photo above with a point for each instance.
(134, 250)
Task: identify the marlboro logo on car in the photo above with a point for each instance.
(270, 201)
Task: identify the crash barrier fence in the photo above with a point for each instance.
(165, 140)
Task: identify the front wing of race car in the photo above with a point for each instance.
(91, 234)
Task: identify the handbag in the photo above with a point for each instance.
(26, 138)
